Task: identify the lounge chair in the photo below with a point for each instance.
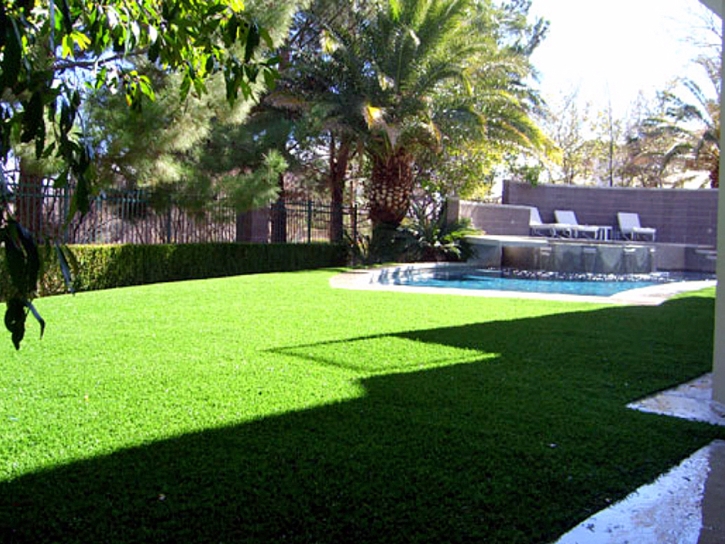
(630, 227)
(568, 217)
(538, 228)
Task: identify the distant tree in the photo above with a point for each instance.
(669, 138)
(604, 146)
(566, 125)
(643, 152)
(597, 147)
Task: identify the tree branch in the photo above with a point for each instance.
(62, 65)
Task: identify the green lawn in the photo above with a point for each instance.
(273, 408)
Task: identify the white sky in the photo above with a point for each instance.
(612, 49)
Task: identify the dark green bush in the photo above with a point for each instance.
(426, 235)
(109, 266)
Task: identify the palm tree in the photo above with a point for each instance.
(414, 76)
(409, 52)
(692, 125)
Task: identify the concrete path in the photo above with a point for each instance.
(684, 506)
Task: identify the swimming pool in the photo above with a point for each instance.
(450, 279)
(535, 282)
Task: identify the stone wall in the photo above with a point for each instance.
(680, 216)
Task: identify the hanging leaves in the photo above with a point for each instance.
(23, 264)
(22, 258)
(15, 320)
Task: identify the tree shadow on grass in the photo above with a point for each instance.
(517, 447)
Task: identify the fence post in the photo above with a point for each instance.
(309, 221)
(353, 221)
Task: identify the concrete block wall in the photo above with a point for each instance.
(680, 216)
(493, 219)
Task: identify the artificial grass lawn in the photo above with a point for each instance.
(273, 408)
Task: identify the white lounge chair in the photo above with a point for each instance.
(568, 217)
(538, 227)
(630, 227)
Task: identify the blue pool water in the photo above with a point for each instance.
(583, 286)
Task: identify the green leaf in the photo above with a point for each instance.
(61, 181)
(236, 5)
(231, 34)
(66, 119)
(185, 86)
(253, 39)
(15, 316)
(22, 258)
(153, 34)
(395, 9)
(67, 46)
(270, 79)
(199, 86)
(209, 65)
(32, 259)
(33, 123)
(136, 33)
(67, 260)
(81, 40)
(82, 195)
(146, 87)
(12, 54)
(37, 317)
(14, 258)
(67, 20)
(264, 34)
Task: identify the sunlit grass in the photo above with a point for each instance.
(272, 407)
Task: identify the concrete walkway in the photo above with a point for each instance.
(684, 506)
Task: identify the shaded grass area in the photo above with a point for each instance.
(275, 409)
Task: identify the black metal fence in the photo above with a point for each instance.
(310, 221)
(139, 218)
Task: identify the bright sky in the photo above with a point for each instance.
(614, 48)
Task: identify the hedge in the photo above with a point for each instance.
(109, 266)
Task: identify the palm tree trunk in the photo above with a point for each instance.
(389, 195)
(390, 190)
(715, 177)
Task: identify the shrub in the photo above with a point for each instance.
(108, 266)
(431, 237)
(425, 236)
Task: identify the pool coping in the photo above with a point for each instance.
(369, 279)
